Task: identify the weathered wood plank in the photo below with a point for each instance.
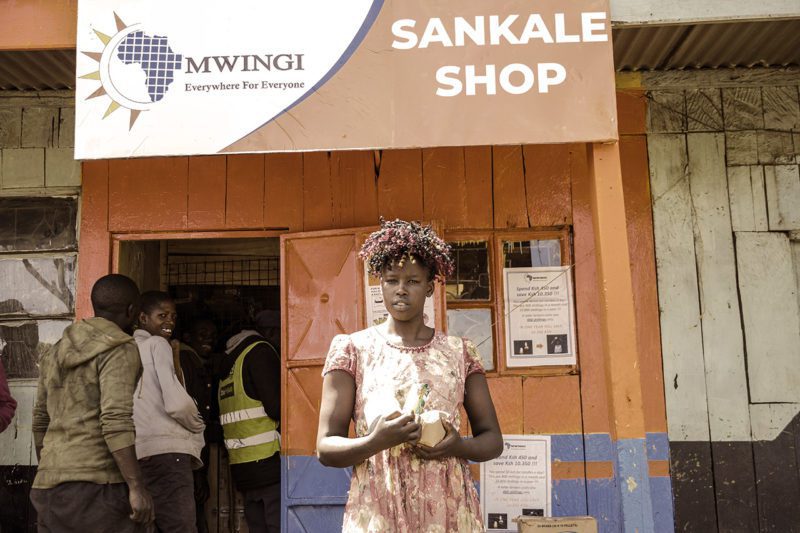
(741, 147)
(478, 176)
(95, 243)
(666, 112)
(769, 309)
(508, 396)
(776, 466)
(16, 442)
(656, 13)
(704, 110)
(355, 191)
(783, 196)
(551, 405)
(547, 178)
(400, 184)
(781, 108)
(39, 126)
(723, 346)
(148, 194)
(771, 419)
(796, 142)
(681, 339)
(720, 77)
(748, 198)
(632, 111)
(795, 246)
(510, 210)
(742, 108)
(639, 212)
(317, 206)
(735, 486)
(445, 187)
(594, 394)
(775, 147)
(244, 200)
(759, 198)
(693, 486)
(283, 191)
(206, 191)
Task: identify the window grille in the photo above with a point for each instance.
(250, 271)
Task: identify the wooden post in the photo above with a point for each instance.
(618, 319)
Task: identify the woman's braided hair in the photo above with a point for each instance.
(400, 241)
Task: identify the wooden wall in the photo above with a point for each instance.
(476, 187)
(39, 189)
(489, 187)
(726, 202)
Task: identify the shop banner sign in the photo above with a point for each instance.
(199, 77)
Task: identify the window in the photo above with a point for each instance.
(475, 306)
(470, 298)
(532, 253)
(38, 224)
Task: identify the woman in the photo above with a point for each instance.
(399, 484)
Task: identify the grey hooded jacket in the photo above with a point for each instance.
(166, 417)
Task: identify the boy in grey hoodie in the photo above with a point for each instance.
(88, 478)
(169, 429)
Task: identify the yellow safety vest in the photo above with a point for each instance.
(250, 434)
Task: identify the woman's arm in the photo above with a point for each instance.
(334, 448)
(486, 442)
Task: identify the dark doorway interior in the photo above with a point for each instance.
(227, 281)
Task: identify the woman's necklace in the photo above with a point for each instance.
(400, 343)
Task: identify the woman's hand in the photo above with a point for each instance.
(394, 429)
(450, 445)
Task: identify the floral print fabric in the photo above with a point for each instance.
(395, 490)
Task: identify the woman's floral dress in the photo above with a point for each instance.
(395, 490)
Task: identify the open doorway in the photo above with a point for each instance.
(228, 281)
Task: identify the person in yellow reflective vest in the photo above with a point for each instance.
(250, 409)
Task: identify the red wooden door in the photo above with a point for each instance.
(321, 296)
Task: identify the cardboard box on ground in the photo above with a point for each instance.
(566, 524)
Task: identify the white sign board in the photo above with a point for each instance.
(540, 316)
(518, 483)
(201, 77)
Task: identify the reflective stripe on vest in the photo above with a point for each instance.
(250, 434)
(242, 414)
(269, 436)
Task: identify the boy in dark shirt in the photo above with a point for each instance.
(200, 367)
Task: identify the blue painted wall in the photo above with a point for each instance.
(314, 496)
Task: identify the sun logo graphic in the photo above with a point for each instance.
(135, 69)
